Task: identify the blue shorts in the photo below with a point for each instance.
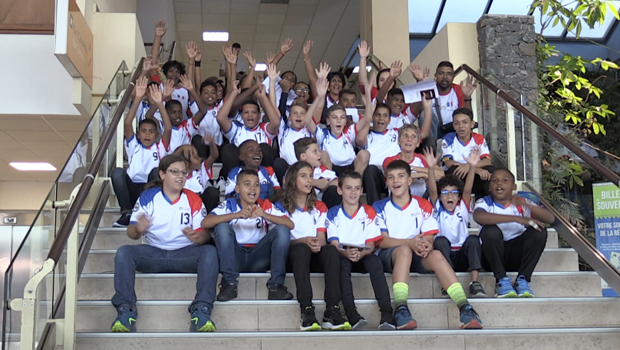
(385, 255)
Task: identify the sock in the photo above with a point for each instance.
(457, 294)
(401, 293)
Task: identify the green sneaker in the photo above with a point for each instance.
(126, 320)
(201, 320)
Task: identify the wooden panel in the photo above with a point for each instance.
(27, 16)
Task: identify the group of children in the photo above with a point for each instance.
(329, 154)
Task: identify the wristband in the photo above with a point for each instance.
(467, 100)
(197, 63)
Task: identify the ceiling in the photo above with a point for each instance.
(27, 138)
(333, 25)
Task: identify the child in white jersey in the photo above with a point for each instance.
(325, 181)
(513, 234)
(250, 156)
(168, 218)
(452, 204)
(251, 235)
(354, 229)
(309, 251)
(143, 151)
(408, 228)
(201, 173)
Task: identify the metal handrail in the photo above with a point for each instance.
(595, 164)
(65, 229)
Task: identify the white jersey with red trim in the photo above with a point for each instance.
(168, 218)
(453, 225)
(356, 230)
(142, 159)
(208, 125)
(239, 133)
(266, 176)
(307, 222)
(418, 185)
(182, 95)
(182, 134)
(341, 149)
(322, 172)
(512, 229)
(449, 103)
(405, 117)
(407, 222)
(381, 146)
(286, 137)
(198, 180)
(252, 230)
(452, 148)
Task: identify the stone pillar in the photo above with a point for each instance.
(507, 49)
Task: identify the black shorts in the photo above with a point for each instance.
(385, 255)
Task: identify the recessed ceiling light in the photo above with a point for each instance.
(260, 67)
(33, 166)
(215, 36)
(357, 69)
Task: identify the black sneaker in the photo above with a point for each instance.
(228, 291)
(444, 294)
(387, 322)
(123, 221)
(476, 290)
(278, 292)
(333, 320)
(308, 320)
(356, 320)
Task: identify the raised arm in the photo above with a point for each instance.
(431, 182)
(222, 114)
(425, 128)
(197, 71)
(417, 72)
(363, 126)
(157, 97)
(395, 70)
(312, 78)
(362, 75)
(472, 160)
(186, 82)
(160, 31)
(231, 68)
(317, 107)
(213, 151)
(249, 78)
(192, 51)
(270, 110)
(285, 47)
(273, 75)
(468, 87)
(140, 91)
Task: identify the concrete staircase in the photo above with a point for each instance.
(567, 313)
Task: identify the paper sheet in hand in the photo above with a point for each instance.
(413, 92)
(346, 245)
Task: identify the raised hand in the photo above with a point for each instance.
(260, 91)
(286, 46)
(307, 48)
(229, 54)
(474, 156)
(141, 87)
(148, 64)
(286, 85)
(323, 70)
(396, 69)
(416, 71)
(250, 59)
(144, 222)
(363, 49)
(198, 57)
(468, 86)
(160, 28)
(271, 71)
(321, 86)
(430, 158)
(186, 82)
(427, 74)
(270, 58)
(426, 100)
(168, 88)
(156, 94)
(192, 50)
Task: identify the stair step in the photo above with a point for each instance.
(240, 315)
(252, 285)
(552, 260)
(113, 238)
(554, 338)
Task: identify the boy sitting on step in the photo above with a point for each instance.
(251, 235)
(512, 233)
(408, 228)
(353, 228)
(452, 204)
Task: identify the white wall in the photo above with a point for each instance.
(35, 81)
(151, 11)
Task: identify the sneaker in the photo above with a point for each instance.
(444, 294)
(403, 319)
(387, 321)
(201, 320)
(523, 288)
(469, 318)
(123, 221)
(356, 320)
(278, 292)
(476, 290)
(333, 320)
(126, 319)
(308, 320)
(228, 291)
(503, 289)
